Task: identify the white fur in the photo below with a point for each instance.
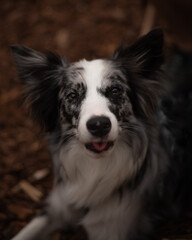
(95, 104)
(91, 182)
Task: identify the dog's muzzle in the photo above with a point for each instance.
(99, 127)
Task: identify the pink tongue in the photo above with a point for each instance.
(100, 146)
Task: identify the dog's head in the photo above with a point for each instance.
(97, 102)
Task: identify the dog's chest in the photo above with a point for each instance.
(113, 218)
(89, 181)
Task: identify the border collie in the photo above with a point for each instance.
(120, 151)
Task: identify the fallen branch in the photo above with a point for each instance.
(30, 190)
(40, 174)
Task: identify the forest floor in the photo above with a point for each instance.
(75, 29)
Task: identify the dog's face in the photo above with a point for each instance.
(97, 102)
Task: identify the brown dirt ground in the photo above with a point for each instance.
(76, 29)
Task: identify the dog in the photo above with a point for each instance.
(121, 148)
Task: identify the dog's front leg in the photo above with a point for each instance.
(38, 229)
(58, 214)
(44, 225)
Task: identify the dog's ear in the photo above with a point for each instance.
(141, 62)
(143, 57)
(41, 74)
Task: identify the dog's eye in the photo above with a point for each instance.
(115, 92)
(72, 96)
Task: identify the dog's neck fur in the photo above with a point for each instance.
(88, 181)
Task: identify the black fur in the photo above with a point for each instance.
(42, 75)
(176, 130)
(140, 63)
(71, 97)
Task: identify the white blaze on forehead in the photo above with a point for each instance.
(94, 72)
(94, 75)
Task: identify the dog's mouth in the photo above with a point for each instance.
(99, 147)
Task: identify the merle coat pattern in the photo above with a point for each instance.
(113, 140)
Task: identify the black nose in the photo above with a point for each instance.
(99, 126)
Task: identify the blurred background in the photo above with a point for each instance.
(75, 29)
